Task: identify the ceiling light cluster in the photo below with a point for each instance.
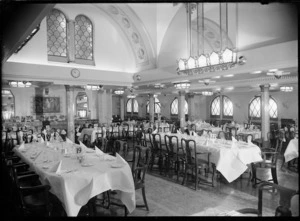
(183, 85)
(119, 92)
(93, 87)
(286, 88)
(207, 93)
(19, 83)
(131, 96)
(159, 85)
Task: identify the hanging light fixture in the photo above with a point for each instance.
(207, 93)
(276, 73)
(183, 85)
(19, 83)
(92, 87)
(220, 60)
(286, 88)
(119, 92)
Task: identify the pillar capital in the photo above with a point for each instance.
(191, 95)
(70, 87)
(181, 93)
(264, 87)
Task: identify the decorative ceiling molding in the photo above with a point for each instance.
(133, 34)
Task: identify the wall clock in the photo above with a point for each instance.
(75, 73)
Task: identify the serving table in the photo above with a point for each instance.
(76, 182)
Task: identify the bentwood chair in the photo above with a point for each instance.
(195, 162)
(285, 196)
(270, 157)
(222, 135)
(240, 137)
(173, 157)
(157, 152)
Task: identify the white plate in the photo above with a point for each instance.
(117, 165)
(45, 167)
(87, 164)
(67, 155)
(90, 151)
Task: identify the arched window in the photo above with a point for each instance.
(8, 105)
(132, 106)
(82, 104)
(255, 108)
(221, 107)
(174, 107)
(67, 46)
(83, 38)
(57, 35)
(157, 106)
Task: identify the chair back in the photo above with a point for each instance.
(190, 151)
(240, 137)
(222, 135)
(248, 138)
(121, 147)
(156, 143)
(141, 156)
(171, 143)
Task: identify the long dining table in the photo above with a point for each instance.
(230, 157)
(77, 182)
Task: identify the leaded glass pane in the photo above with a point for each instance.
(174, 106)
(129, 105)
(227, 106)
(8, 105)
(186, 107)
(254, 107)
(157, 108)
(57, 34)
(83, 38)
(215, 106)
(273, 108)
(135, 106)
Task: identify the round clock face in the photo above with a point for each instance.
(75, 73)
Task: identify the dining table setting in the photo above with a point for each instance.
(76, 173)
(231, 157)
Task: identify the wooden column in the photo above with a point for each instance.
(151, 108)
(122, 107)
(181, 102)
(70, 112)
(265, 114)
(191, 105)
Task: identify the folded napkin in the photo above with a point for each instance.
(22, 146)
(249, 140)
(179, 132)
(98, 151)
(233, 139)
(34, 137)
(41, 140)
(69, 141)
(56, 167)
(83, 147)
(155, 131)
(109, 157)
(205, 143)
(63, 132)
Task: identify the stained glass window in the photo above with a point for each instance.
(129, 105)
(57, 34)
(215, 106)
(83, 38)
(132, 105)
(227, 107)
(8, 104)
(174, 107)
(255, 108)
(157, 106)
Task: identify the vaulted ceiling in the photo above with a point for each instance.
(146, 39)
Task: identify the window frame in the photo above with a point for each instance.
(87, 102)
(186, 104)
(260, 118)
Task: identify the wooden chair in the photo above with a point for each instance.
(285, 195)
(194, 163)
(270, 157)
(172, 159)
(240, 137)
(157, 154)
(248, 137)
(221, 135)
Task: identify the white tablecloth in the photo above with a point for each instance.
(74, 189)
(230, 161)
(292, 150)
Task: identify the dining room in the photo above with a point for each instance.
(149, 109)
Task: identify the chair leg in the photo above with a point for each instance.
(274, 175)
(144, 198)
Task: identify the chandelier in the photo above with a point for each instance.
(215, 61)
(183, 85)
(19, 83)
(92, 87)
(119, 92)
(207, 93)
(286, 89)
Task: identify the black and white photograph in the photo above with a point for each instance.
(154, 109)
